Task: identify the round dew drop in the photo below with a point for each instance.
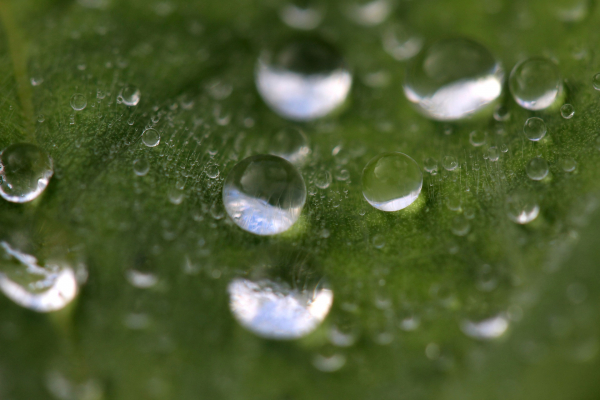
(537, 169)
(450, 163)
(264, 194)
(535, 129)
(521, 207)
(130, 95)
(78, 101)
(141, 167)
(535, 83)
(151, 137)
(302, 16)
(304, 81)
(392, 181)
(453, 79)
(567, 111)
(25, 170)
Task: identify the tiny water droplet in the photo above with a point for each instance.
(78, 101)
(596, 81)
(535, 129)
(41, 118)
(430, 165)
(391, 181)
(130, 95)
(175, 195)
(487, 329)
(264, 194)
(535, 83)
(330, 363)
(322, 179)
(141, 280)
(460, 226)
(537, 169)
(493, 153)
(568, 164)
(453, 79)
(401, 43)
(450, 163)
(378, 241)
(36, 81)
(25, 170)
(212, 171)
(151, 137)
(141, 167)
(477, 138)
(305, 16)
(501, 113)
(567, 111)
(521, 207)
(369, 12)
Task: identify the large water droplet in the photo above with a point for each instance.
(264, 194)
(535, 83)
(151, 137)
(290, 144)
(78, 101)
(42, 289)
(535, 129)
(130, 95)
(25, 170)
(453, 79)
(486, 329)
(521, 207)
(537, 169)
(392, 181)
(303, 81)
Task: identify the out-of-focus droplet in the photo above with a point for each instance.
(537, 169)
(141, 166)
(487, 329)
(369, 12)
(78, 101)
(290, 144)
(401, 43)
(302, 15)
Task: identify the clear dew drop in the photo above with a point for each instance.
(78, 101)
(391, 181)
(401, 43)
(453, 79)
(25, 170)
(39, 288)
(276, 310)
(290, 144)
(501, 113)
(535, 129)
(151, 137)
(302, 15)
(450, 163)
(175, 195)
(537, 169)
(141, 167)
(130, 95)
(493, 153)
(487, 329)
(477, 138)
(567, 111)
(430, 165)
(596, 81)
(264, 194)
(568, 164)
(460, 225)
(521, 207)
(212, 171)
(329, 363)
(304, 81)
(322, 179)
(535, 83)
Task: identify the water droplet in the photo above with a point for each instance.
(141, 167)
(322, 179)
(567, 111)
(521, 207)
(487, 329)
(477, 138)
(175, 195)
(151, 137)
(453, 203)
(304, 16)
(212, 171)
(450, 163)
(535, 83)
(41, 118)
(304, 81)
(264, 194)
(277, 310)
(141, 280)
(568, 164)
(596, 81)
(535, 129)
(342, 336)
(78, 101)
(460, 226)
(401, 43)
(391, 181)
(378, 241)
(39, 288)
(36, 80)
(430, 165)
(369, 12)
(290, 144)
(453, 79)
(130, 95)
(573, 10)
(330, 363)
(501, 113)
(25, 170)
(493, 153)
(537, 169)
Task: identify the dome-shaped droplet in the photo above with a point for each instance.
(401, 43)
(25, 170)
(291, 144)
(453, 79)
(130, 95)
(264, 194)
(596, 81)
(535, 83)
(141, 167)
(392, 181)
(151, 137)
(537, 169)
(303, 81)
(567, 111)
(450, 163)
(78, 101)
(521, 207)
(39, 288)
(304, 15)
(535, 129)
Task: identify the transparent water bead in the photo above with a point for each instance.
(453, 79)
(78, 101)
(537, 169)
(264, 194)
(305, 80)
(151, 137)
(302, 15)
(535, 129)
(25, 170)
(369, 12)
(141, 167)
(487, 329)
(521, 207)
(401, 43)
(392, 181)
(130, 95)
(535, 83)
(290, 144)
(38, 288)
(567, 111)
(596, 81)
(276, 310)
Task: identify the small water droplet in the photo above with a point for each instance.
(175, 195)
(369, 12)
(401, 43)
(535, 83)
(322, 179)
(501, 113)
(596, 81)
(535, 129)
(78, 101)
(567, 111)
(537, 169)
(330, 363)
(151, 137)
(303, 81)
(25, 170)
(212, 171)
(290, 144)
(568, 164)
(378, 241)
(392, 181)
(141, 167)
(141, 280)
(460, 226)
(36, 80)
(41, 118)
(302, 15)
(521, 207)
(453, 79)
(493, 153)
(430, 165)
(477, 138)
(130, 95)
(487, 329)
(453, 203)
(264, 194)
(450, 163)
